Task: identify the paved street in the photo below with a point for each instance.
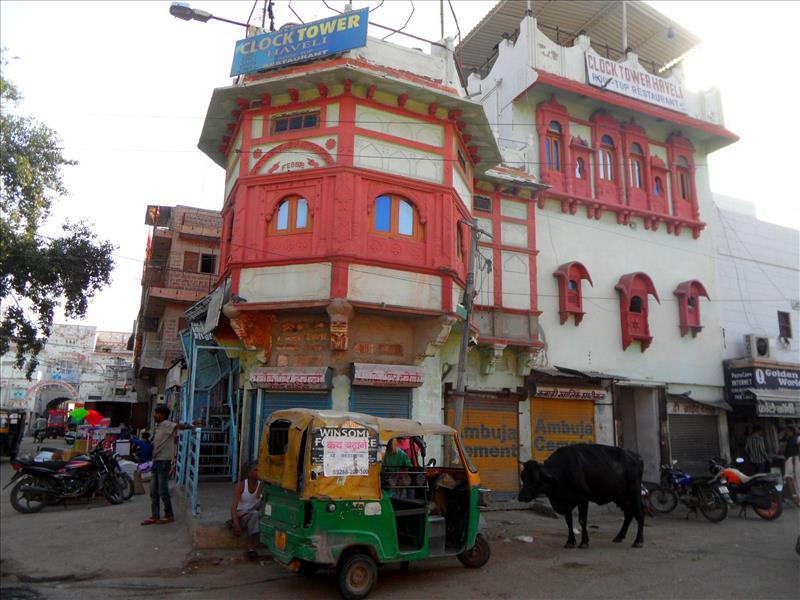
(101, 551)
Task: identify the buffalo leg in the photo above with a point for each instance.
(626, 523)
(638, 512)
(571, 537)
(583, 510)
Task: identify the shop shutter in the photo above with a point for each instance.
(490, 435)
(381, 401)
(557, 423)
(694, 440)
(272, 401)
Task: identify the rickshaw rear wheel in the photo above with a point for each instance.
(478, 555)
(357, 576)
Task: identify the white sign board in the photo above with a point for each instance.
(345, 456)
(630, 79)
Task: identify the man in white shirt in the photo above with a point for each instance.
(163, 455)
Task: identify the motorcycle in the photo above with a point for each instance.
(763, 492)
(39, 483)
(39, 435)
(697, 493)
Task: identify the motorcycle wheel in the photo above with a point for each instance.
(126, 485)
(775, 509)
(663, 500)
(25, 504)
(712, 504)
(112, 490)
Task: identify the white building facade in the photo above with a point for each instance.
(625, 265)
(758, 274)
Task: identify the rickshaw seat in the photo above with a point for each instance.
(406, 507)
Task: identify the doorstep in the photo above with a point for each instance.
(208, 530)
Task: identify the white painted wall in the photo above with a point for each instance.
(394, 287)
(758, 267)
(608, 251)
(286, 283)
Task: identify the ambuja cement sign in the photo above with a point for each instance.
(630, 79)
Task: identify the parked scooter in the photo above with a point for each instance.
(697, 493)
(49, 482)
(762, 491)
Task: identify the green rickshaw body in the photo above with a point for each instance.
(324, 517)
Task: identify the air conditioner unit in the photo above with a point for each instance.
(756, 346)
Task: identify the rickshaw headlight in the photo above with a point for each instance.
(331, 507)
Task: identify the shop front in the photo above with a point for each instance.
(695, 432)
(490, 435)
(278, 388)
(561, 416)
(761, 393)
(384, 390)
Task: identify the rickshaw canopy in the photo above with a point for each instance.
(321, 477)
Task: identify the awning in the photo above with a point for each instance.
(555, 373)
(388, 375)
(291, 378)
(713, 403)
(776, 403)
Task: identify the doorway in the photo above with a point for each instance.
(638, 426)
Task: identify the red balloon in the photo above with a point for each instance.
(93, 417)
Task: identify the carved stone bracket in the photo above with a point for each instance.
(254, 329)
(489, 354)
(340, 311)
(527, 358)
(430, 334)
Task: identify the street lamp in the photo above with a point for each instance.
(181, 10)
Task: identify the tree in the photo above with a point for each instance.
(37, 272)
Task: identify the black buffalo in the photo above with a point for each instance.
(582, 473)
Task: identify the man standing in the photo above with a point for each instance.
(163, 455)
(756, 449)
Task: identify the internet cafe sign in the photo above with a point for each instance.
(633, 81)
(299, 43)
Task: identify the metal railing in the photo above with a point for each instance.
(187, 469)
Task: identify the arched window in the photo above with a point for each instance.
(580, 169)
(657, 186)
(684, 181)
(553, 146)
(636, 158)
(605, 159)
(292, 216)
(396, 217)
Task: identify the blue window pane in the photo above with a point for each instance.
(283, 216)
(383, 213)
(607, 141)
(547, 152)
(406, 221)
(657, 186)
(302, 214)
(556, 155)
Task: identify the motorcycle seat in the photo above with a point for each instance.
(47, 465)
(765, 476)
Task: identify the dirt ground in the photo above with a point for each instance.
(100, 551)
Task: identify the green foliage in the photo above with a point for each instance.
(37, 273)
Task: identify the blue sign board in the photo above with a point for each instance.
(301, 42)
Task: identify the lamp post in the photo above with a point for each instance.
(181, 10)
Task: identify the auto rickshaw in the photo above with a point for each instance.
(12, 427)
(336, 497)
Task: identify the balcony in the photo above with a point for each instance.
(152, 356)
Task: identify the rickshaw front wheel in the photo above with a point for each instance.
(357, 576)
(478, 555)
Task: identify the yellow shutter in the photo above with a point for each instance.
(490, 435)
(557, 423)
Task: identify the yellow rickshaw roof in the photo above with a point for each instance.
(385, 427)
